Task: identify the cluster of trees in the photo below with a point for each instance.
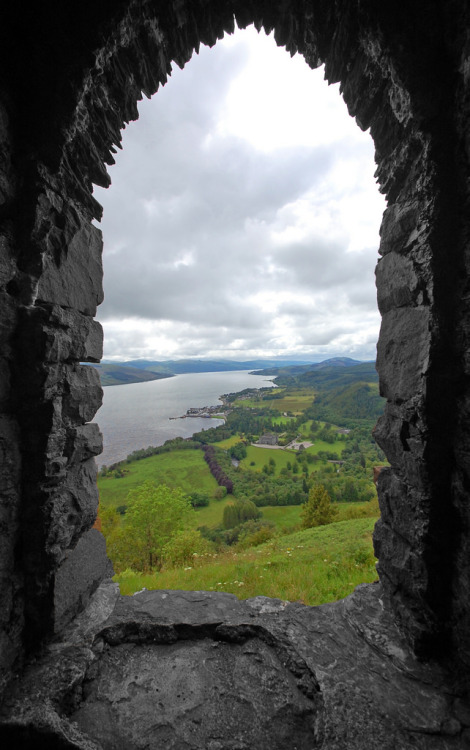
(212, 434)
(158, 527)
(223, 480)
(238, 451)
(247, 534)
(238, 512)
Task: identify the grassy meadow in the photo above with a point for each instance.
(261, 456)
(295, 402)
(180, 468)
(313, 566)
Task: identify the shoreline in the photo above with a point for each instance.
(136, 423)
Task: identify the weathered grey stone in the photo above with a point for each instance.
(7, 174)
(242, 698)
(83, 395)
(72, 508)
(76, 280)
(403, 352)
(63, 101)
(399, 227)
(74, 337)
(78, 577)
(204, 670)
(397, 283)
(86, 441)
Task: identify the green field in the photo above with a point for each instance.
(212, 514)
(228, 443)
(180, 468)
(287, 517)
(295, 402)
(313, 566)
(322, 445)
(261, 456)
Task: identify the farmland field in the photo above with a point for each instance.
(261, 456)
(180, 468)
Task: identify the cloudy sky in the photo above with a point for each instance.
(243, 216)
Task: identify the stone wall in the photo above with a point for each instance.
(404, 74)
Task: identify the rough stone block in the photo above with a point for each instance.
(4, 380)
(398, 223)
(74, 337)
(397, 282)
(85, 442)
(7, 175)
(399, 507)
(83, 395)
(83, 569)
(403, 352)
(72, 508)
(8, 319)
(75, 280)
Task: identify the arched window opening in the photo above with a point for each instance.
(242, 225)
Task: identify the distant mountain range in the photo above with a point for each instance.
(305, 367)
(140, 370)
(117, 374)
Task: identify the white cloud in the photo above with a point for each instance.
(243, 216)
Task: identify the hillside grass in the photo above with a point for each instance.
(295, 402)
(287, 517)
(213, 513)
(321, 445)
(180, 468)
(228, 442)
(313, 566)
(282, 420)
(261, 456)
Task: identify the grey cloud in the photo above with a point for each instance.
(188, 229)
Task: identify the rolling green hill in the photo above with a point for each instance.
(121, 375)
(343, 393)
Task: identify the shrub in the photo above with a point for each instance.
(184, 547)
(220, 493)
(254, 533)
(199, 499)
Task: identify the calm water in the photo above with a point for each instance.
(135, 416)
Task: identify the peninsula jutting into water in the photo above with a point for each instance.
(140, 414)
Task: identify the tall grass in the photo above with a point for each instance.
(313, 566)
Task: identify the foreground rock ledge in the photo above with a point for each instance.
(187, 670)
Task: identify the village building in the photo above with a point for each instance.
(269, 439)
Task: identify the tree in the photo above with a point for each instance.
(239, 512)
(155, 514)
(318, 510)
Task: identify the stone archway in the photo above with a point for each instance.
(404, 74)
